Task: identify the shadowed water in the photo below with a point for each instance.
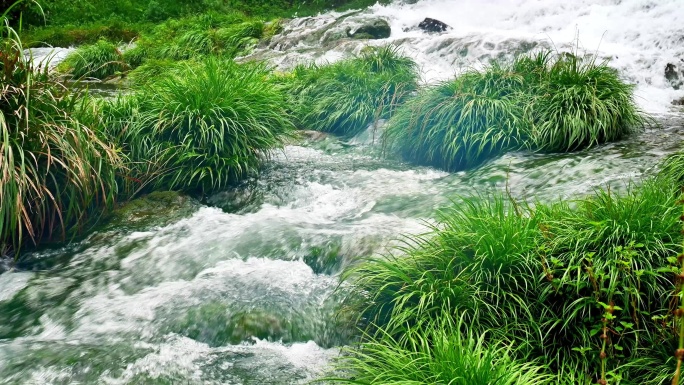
(242, 291)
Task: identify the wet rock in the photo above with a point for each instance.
(678, 102)
(158, 208)
(674, 75)
(372, 29)
(314, 136)
(326, 259)
(245, 198)
(433, 25)
(256, 324)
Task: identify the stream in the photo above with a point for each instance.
(242, 288)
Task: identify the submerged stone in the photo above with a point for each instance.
(256, 324)
(158, 208)
(214, 325)
(372, 29)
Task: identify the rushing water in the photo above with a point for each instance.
(241, 290)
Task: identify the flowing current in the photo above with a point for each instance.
(241, 289)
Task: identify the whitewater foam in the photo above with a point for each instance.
(639, 37)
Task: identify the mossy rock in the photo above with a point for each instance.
(259, 324)
(214, 325)
(373, 29)
(158, 208)
(325, 259)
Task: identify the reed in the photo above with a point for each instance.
(55, 172)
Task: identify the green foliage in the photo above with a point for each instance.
(200, 127)
(542, 277)
(440, 356)
(100, 60)
(541, 102)
(347, 96)
(461, 123)
(579, 104)
(152, 70)
(673, 168)
(68, 35)
(227, 35)
(53, 169)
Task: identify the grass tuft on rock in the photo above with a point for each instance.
(541, 102)
(100, 60)
(204, 125)
(344, 98)
(548, 279)
(461, 123)
(444, 354)
(580, 103)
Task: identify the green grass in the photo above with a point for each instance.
(68, 35)
(100, 60)
(201, 126)
(673, 167)
(54, 171)
(440, 356)
(346, 97)
(543, 102)
(461, 123)
(581, 103)
(538, 277)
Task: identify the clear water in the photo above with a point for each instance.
(241, 290)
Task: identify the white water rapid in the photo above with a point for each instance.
(638, 37)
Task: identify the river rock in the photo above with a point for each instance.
(158, 208)
(433, 25)
(312, 135)
(674, 75)
(256, 324)
(372, 29)
(678, 102)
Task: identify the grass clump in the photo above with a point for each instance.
(461, 123)
(582, 286)
(541, 102)
(673, 168)
(443, 355)
(580, 103)
(346, 97)
(53, 169)
(207, 125)
(100, 60)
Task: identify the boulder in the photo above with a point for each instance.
(674, 75)
(678, 102)
(372, 29)
(433, 25)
